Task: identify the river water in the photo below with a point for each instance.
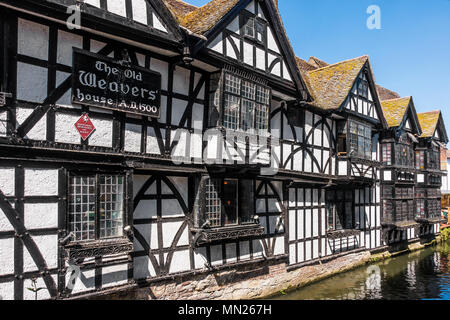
(419, 275)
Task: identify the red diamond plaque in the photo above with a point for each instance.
(84, 126)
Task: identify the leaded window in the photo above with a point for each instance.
(246, 105)
(420, 160)
(420, 208)
(254, 29)
(228, 202)
(386, 154)
(363, 88)
(96, 206)
(404, 152)
(360, 140)
(433, 160)
(339, 210)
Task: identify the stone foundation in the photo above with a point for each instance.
(261, 280)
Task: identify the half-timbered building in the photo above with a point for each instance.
(157, 141)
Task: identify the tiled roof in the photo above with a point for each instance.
(394, 110)
(386, 94)
(179, 9)
(304, 66)
(205, 18)
(331, 85)
(317, 62)
(428, 121)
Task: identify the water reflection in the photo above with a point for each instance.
(420, 275)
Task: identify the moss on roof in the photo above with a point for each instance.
(179, 9)
(386, 94)
(428, 121)
(317, 62)
(394, 110)
(205, 18)
(331, 85)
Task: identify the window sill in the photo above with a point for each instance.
(98, 248)
(204, 236)
(343, 233)
(430, 220)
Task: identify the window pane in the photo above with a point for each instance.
(82, 208)
(111, 206)
(232, 84)
(249, 28)
(213, 211)
(262, 119)
(248, 115)
(248, 90)
(229, 201)
(231, 112)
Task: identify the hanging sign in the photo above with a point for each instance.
(103, 82)
(84, 126)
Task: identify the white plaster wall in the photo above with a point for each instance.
(181, 80)
(114, 275)
(217, 44)
(163, 68)
(150, 234)
(48, 246)
(65, 131)
(248, 53)
(234, 25)
(271, 42)
(31, 83)
(7, 181)
(42, 294)
(66, 41)
(102, 136)
(230, 51)
(152, 142)
(7, 291)
(170, 229)
(133, 134)
(32, 39)
(180, 262)
(95, 3)
(39, 131)
(140, 11)
(85, 282)
(117, 7)
(230, 251)
(41, 215)
(260, 59)
(157, 24)
(200, 258)
(7, 256)
(41, 182)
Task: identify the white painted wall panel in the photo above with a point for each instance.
(140, 11)
(39, 131)
(117, 7)
(66, 41)
(48, 246)
(41, 215)
(170, 229)
(180, 262)
(133, 134)
(102, 136)
(32, 39)
(41, 182)
(114, 275)
(29, 76)
(7, 256)
(7, 181)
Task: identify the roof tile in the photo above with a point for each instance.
(394, 110)
(428, 121)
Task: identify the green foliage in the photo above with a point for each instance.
(445, 234)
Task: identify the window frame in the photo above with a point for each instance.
(351, 139)
(257, 101)
(97, 216)
(332, 210)
(241, 219)
(248, 17)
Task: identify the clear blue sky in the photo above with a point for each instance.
(410, 54)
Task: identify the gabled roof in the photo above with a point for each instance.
(206, 17)
(394, 110)
(386, 94)
(317, 62)
(179, 9)
(428, 122)
(330, 86)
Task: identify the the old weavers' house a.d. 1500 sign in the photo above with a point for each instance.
(105, 83)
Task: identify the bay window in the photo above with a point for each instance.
(433, 160)
(420, 160)
(360, 137)
(246, 105)
(420, 208)
(96, 206)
